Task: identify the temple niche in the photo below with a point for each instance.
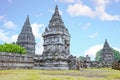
(26, 38)
(56, 44)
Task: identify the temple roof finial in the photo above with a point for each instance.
(105, 39)
(106, 43)
(56, 9)
(27, 20)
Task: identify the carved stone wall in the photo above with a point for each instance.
(15, 61)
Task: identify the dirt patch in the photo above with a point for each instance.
(84, 75)
(4, 74)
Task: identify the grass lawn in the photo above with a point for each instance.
(86, 74)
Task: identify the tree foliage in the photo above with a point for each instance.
(116, 55)
(98, 55)
(13, 48)
(81, 58)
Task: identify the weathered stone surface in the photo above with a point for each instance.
(15, 61)
(26, 38)
(107, 55)
(116, 65)
(56, 45)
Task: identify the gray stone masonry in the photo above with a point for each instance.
(107, 55)
(56, 45)
(26, 38)
(15, 61)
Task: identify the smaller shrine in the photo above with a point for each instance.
(26, 38)
(107, 55)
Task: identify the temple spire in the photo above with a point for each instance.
(56, 13)
(26, 38)
(27, 22)
(56, 22)
(56, 10)
(107, 56)
(106, 45)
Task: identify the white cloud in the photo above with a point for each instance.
(14, 38)
(2, 18)
(65, 1)
(7, 23)
(10, 25)
(52, 11)
(78, 9)
(6, 37)
(86, 26)
(99, 11)
(94, 35)
(101, 2)
(39, 47)
(93, 50)
(107, 17)
(37, 30)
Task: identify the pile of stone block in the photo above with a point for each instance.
(116, 65)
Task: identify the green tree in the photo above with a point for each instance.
(13, 48)
(116, 55)
(98, 55)
(81, 58)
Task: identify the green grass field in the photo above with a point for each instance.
(86, 74)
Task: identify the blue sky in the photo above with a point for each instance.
(89, 22)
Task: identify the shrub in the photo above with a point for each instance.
(13, 48)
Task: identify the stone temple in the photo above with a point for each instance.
(56, 53)
(26, 38)
(56, 44)
(107, 57)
